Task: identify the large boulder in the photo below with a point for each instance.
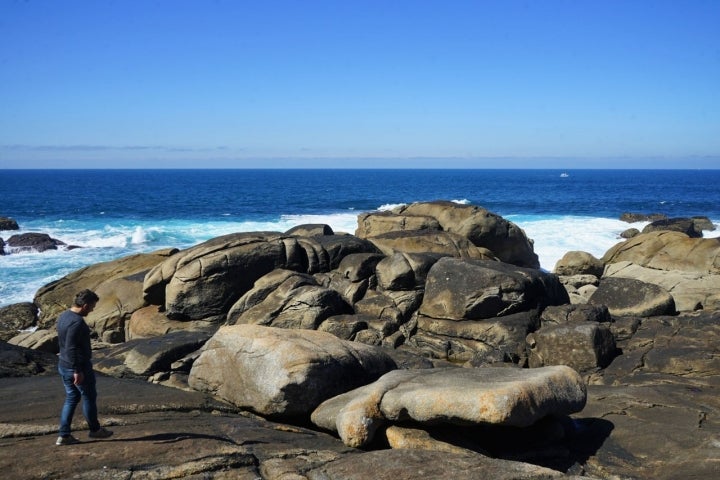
(627, 297)
(16, 317)
(287, 299)
(462, 396)
(667, 250)
(145, 356)
(429, 241)
(579, 263)
(582, 346)
(405, 271)
(690, 290)
(483, 228)
(378, 223)
(280, 372)
(151, 321)
(43, 340)
(479, 289)
(684, 225)
(206, 280)
(118, 283)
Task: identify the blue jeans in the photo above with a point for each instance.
(73, 394)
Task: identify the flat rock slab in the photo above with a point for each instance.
(463, 396)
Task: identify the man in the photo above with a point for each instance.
(76, 368)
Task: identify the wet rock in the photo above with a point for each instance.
(7, 223)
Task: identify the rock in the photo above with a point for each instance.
(16, 361)
(283, 373)
(359, 266)
(147, 356)
(287, 299)
(405, 271)
(579, 263)
(151, 321)
(563, 314)
(16, 317)
(411, 464)
(633, 298)
(429, 241)
(311, 230)
(378, 223)
(345, 326)
(2, 246)
(43, 340)
(463, 396)
(204, 281)
(582, 346)
(38, 242)
(641, 217)
(7, 223)
(351, 292)
(690, 291)
(630, 233)
(683, 225)
(703, 223)
(118, 283)
(478, 289)
(668, 251)
(461, 341)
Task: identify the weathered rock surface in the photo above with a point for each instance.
(118, 283)
(463, 396)
(579, 263)
(206, 280)
(283, 373)
(429, 241)
(690, 291)
(684, 225)
(43, 340)
(476, 289)
(287, 299)
(582, 346)
(627, 297)
(16, 317)
(16, 361)
(666, 250)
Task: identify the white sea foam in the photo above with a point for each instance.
(390, 206)
(464, 201)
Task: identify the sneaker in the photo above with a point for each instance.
(100, 433)
(69, 440)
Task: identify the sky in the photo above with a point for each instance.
(351, 83)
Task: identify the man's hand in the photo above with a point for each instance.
(78, 378)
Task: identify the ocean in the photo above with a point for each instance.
(114, 213)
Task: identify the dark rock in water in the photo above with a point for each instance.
(2, 246)
(7, 223)
(642, 217)
(33, 241)
(16, 317)
(684, 225)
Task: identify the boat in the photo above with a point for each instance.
(564, 175)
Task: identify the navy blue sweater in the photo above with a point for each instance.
(74, 339)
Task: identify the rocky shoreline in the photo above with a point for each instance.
(427, 344)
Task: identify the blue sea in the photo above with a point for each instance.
(114, 213)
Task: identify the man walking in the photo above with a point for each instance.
(76, 368)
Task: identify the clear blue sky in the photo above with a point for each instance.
(506, 83)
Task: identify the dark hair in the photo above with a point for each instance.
(85, 297)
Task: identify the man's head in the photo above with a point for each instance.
(85, 302)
